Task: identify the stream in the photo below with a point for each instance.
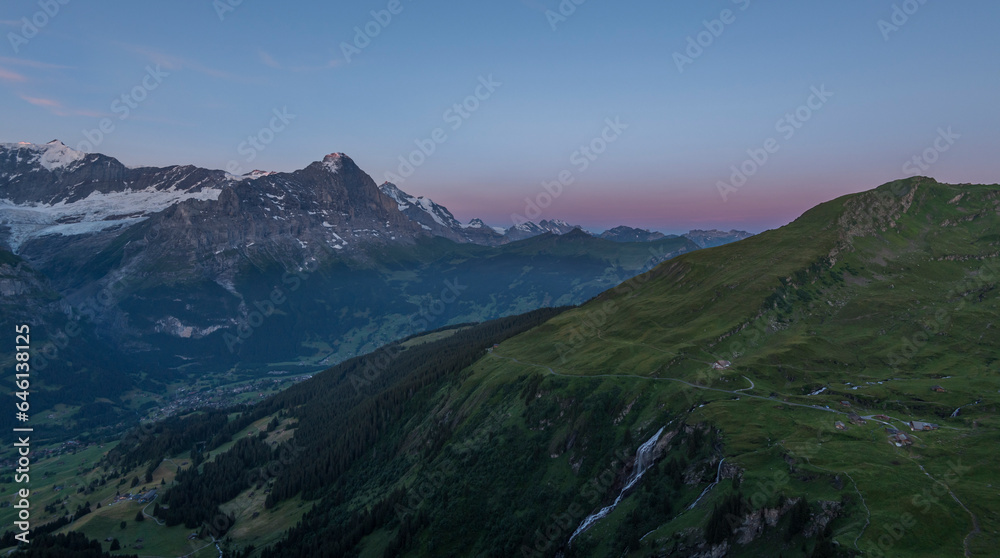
(718, 473)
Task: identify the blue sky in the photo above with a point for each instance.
(197, 85)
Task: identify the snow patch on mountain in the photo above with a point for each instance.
(404, 201)
(95, 213)
(252, 175)
(173, 326)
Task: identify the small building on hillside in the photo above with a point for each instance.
(901, 439)
(856, 418)
(840, 425)
(939, 389)
(916, 425)
(721, 365)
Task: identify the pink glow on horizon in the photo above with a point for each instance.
(756, 207)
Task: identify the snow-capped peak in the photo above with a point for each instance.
(53, 155)
(404, 201)
(334, 161)
(397, 195)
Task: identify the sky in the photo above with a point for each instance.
(663, 115)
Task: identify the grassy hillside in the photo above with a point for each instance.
(877, 298)
(772, 370)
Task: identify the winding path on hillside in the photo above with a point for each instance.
(868, 511)
(740, 393)
(975, 521)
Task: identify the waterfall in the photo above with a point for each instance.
(643, 460)
(718, 475)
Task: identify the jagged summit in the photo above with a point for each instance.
(51, 156)
(52, 189)
(335, 161)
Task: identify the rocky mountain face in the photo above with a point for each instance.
(77, 366)
(52, 190)
(182, 268)
(437, 220)
(629, 234)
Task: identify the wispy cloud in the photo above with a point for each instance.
(57, 108)
(7, 75)
(42, 102)
(31, 63)
(171, 62)
(90, 113)
(535, 5)
(333, 63)
(268, 60)
(271, 62)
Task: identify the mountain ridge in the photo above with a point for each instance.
(84, 193)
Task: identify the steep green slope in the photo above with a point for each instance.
(752, 358)
(878, 298)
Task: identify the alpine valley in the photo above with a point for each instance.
(159, 290)
(828, 388)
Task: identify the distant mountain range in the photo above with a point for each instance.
(182, 271)
(51, 189)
